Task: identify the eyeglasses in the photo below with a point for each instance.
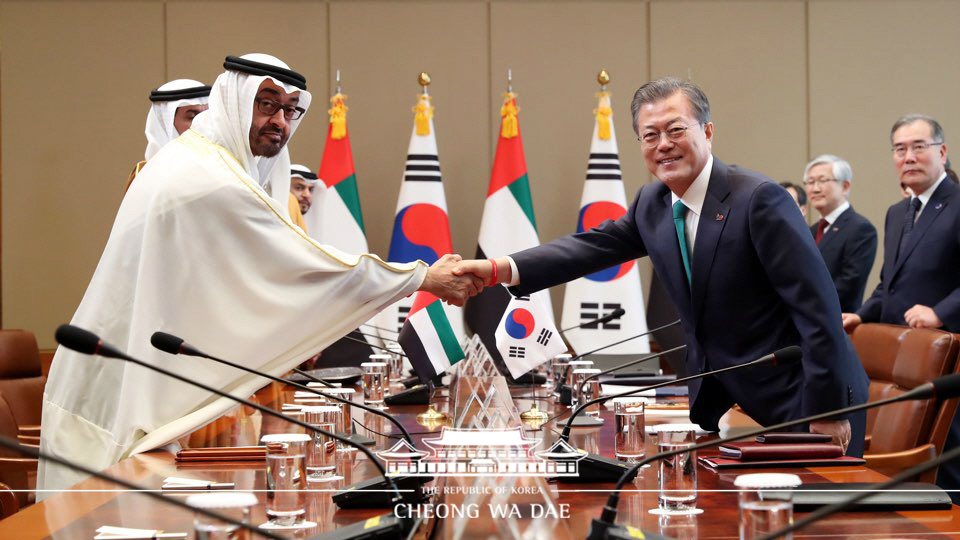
(270, 107)
(821, 181)
(918, 147)
(651, 139)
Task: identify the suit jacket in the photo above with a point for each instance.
(848, 249)
(759, 284)
(928, 270)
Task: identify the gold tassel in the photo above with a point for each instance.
(602, 113)
(510, 126)
(424, 112)
(338, 117)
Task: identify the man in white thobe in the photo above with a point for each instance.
(202, 248)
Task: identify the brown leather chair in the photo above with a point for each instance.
(898, 359)
(21, 381)
(16, 471)
(8, 501)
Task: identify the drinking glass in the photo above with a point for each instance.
(285, 478)
(678, 473)
(761, 514)
(234, 505)
(629, 422)
(321, 451)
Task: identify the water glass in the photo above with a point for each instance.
(321, 451)
(561, 358)
(286, 476)
(629, 422)
(576, 364)
(761, 514)
(234, 505)
(589, 391)
(387, 361)
(373, 382)
(678, 473)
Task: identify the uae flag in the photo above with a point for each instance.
(603, 292)
(507, 226)
(428, 339)
(421, 229)
(335, 218)
(526, 336)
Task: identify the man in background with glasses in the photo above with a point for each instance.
(920, 279)
(847, 240)
(738, 261)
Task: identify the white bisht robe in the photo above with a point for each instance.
(199, 250)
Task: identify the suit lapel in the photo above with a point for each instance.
(936, 204)
(676, 276)
(713, 218)
(835, 229)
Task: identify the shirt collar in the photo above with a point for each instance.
(925, 196)
(694, 196)
(832, 216)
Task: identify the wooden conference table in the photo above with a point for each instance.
(77, 514)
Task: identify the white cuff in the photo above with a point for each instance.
(514, 274)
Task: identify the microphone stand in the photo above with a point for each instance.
(35, 453)
(196, 352)
(68, 331)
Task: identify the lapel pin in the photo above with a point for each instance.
(718, 217)
(939, 206)
(836, 229)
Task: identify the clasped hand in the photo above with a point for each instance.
(448, 281)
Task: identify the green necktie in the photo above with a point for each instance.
(679, 212)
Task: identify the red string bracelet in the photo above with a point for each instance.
(493, 273)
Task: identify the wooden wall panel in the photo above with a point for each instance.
(749, 58)
(555, 52)
(380, 48)
(201, 35)
(74, 99)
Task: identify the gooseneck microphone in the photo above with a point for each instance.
(35, 453)
(945, 387)
(631, 363)
(904, 476)
(566, 372)
(84, 341)
(596, 468)
(374, 346)
(172, 344)
(374, 336)
(785, 356)
(375, 327)
(615, 314)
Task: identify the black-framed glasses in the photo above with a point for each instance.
(918, 147)
(270, 107)
(651, 139)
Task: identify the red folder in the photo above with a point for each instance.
(754, 451)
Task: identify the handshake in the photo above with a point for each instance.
(453, 279)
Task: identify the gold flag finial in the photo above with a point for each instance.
(603, 77)
(424, 79)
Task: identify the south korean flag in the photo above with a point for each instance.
(526, 336)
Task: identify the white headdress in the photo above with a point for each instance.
(302, 171)
(227, 122)
(165, 102)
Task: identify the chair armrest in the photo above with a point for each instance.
(31, 430)
(895, 462)
(867, 439)
(28, 440)
(8, 501)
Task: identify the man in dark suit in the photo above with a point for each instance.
(736, 258)
(919, 282)
(847, 241)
